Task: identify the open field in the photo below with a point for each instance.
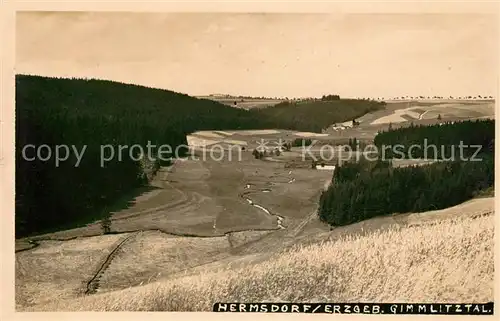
(213, 230)
(403, 113)
(432, 111)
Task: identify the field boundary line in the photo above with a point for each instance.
(93, 284)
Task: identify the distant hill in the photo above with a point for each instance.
(242, 101)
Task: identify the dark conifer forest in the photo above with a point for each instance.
(94, 113)
(447, 137)
(367, 189)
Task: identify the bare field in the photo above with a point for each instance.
(417, 111)
(210, 230)
(59, 269)
(159, 254)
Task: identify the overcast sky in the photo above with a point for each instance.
(292, 55)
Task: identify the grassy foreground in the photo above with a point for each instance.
(452, 261)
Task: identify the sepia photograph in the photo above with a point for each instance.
(292, 162)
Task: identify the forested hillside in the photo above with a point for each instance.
(92, 113)
(367, 189)
(316, 115)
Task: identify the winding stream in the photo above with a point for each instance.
(279, 218)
